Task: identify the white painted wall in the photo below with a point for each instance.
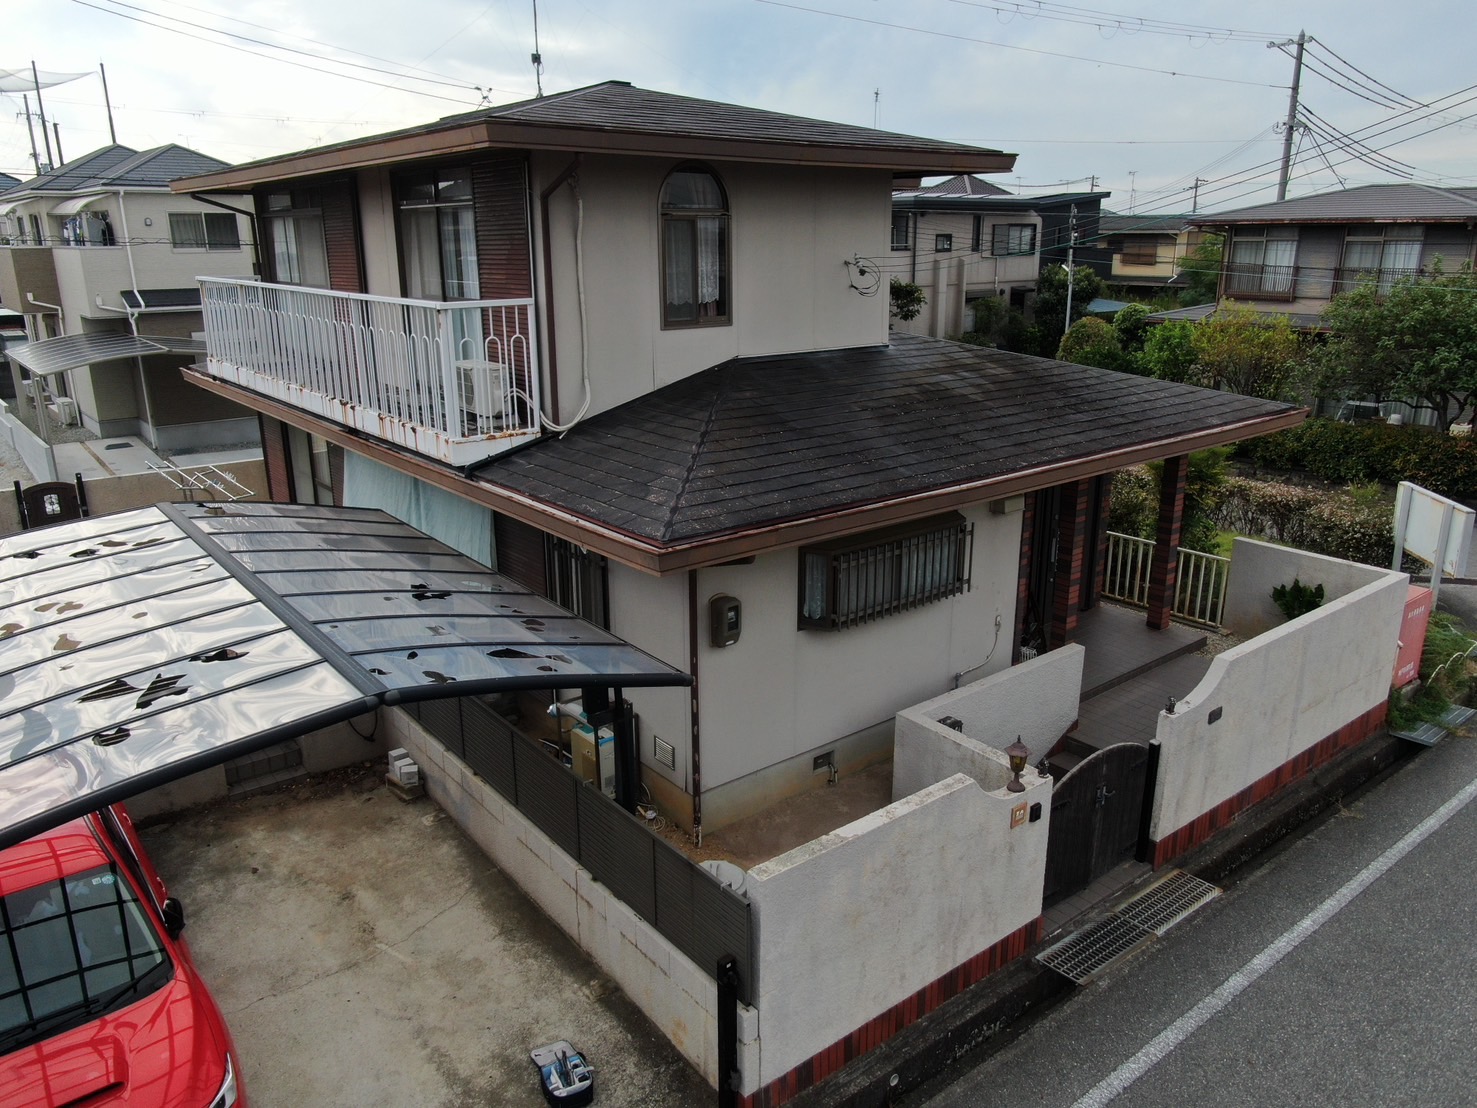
(780, 691)
(862, 918)
(950, 279)
(651, 612)
(1259, 567)
(1035, 701)
(1281, 692)
(792, 229)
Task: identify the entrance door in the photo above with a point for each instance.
(1096, 811)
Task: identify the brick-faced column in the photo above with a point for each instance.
(1164, 570)
(1071, 550)
(275, 461)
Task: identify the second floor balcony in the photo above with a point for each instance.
(1249, 281)
(457, 382)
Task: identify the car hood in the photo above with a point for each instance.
(167, 1049)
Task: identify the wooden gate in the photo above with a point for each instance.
(1096, 813)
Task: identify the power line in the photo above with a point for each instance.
(1004, 45)
(1350, 65)
(1128, 24)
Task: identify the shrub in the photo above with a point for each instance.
(1133, 504)
(1362, 452)
(1297, 599)
(1310, 519)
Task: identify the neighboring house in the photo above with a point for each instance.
(1293, 256)
(964, 238)
(99, 250)
(822, 526)
(1146, 249)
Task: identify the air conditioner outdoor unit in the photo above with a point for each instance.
(64, 408)
(481, 386)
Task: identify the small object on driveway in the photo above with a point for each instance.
(565, 1076)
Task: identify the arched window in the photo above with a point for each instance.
(694, 249)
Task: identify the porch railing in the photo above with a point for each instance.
(1200, 579)
(457, 381)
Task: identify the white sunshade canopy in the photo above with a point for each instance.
(140, 647)
(74, 204)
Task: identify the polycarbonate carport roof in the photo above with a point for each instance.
(46, 357)
(141, 647)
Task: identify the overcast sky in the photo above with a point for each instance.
(1078, 90)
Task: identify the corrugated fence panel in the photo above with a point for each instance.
(443, 718)
(617, 850)
(546, 795)
(674, 897)
(489, 747)
(721, 928)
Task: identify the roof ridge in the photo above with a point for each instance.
(1447, 193)
(701, 441)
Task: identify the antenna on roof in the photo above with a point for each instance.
(876, 107)
(537, 59)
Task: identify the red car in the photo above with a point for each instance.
(99, 1001)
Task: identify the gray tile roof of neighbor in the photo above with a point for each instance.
(120, 166)
(961, 184)
(759, 441)
(1367, 204)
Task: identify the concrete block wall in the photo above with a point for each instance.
(1036, 701)
(677, 996)
(871, 926)
(1259, 567)
(1316, 683)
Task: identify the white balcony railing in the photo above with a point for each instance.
(1200, 579)
(454, 381)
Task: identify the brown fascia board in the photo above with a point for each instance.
(487, 136)
(640, 554)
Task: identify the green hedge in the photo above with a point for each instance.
(1309, 519)
(1351, 452)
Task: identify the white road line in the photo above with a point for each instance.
(1167, 1040)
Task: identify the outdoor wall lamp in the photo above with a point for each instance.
(1017, 752)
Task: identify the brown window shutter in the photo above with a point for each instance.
(500, 200)
(341, 236)
(520, 553)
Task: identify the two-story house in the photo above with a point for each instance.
(1146, 249)
(964, 238)
(1293, 256)
(100, 252)
(633, 349)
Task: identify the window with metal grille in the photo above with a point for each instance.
(577, 580)
(866, 577)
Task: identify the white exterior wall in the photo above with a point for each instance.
(1281, 692)
(1036, 701)
(651, 612)
(84, 273)
(792, 228)
(951, 279)
(862, 918)
(1259, 567)
(780, 692)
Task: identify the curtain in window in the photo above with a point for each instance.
(1277, 273)
(187, 231)
(679, 259)
(458, 254)
(422, 253)
(710, 265)
(1401, 258)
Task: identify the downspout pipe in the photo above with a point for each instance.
(128, 249)
(696, 755)
(548, 261)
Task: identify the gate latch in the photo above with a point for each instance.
(1102, 795)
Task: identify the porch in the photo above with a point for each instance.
(456, 381)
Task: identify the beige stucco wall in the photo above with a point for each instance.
(1284, 690)
(858, 920)
(949, 280)
(27, 269)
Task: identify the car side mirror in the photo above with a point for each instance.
(174, 916)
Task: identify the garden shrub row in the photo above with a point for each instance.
(1309, 519)
(1352, 452)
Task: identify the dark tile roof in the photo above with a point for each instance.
(120, 166)
(1165, 224)
(1367, 204)
(961, 184)
(759, 441)
(1303, 321)
(618, 117)
(8, 182)
(1058, 201)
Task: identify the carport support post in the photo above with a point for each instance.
(599, 712)
(1164, 570)
(729, 1077)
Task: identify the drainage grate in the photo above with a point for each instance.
(1082, 956)
(1167, 901)
(1456, 716)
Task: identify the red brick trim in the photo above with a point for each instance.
(1325, 750)
(1072, 540)
(879, 1029)
(1164, 566)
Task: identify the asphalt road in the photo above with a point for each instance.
(1342, 971)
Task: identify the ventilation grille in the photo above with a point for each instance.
(664, 752)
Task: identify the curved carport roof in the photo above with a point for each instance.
(46, 357)
(141, 647)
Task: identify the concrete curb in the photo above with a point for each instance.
(970, 1026)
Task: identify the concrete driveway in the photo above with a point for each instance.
(366, 953)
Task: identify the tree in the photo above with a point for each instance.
(1051, 300)
(1091, 342)
(1200, 271)
(1131, 325)
(1245, 351)
(1169, 353)
(1417, 342)
(907, 299)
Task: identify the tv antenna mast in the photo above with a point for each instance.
(537, 59)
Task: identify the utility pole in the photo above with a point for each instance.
(1292, 114)
(112, 134)
(1071, 244)
(1195, 199)
(41, 108)
(1133, 175)
(876, 107)
(537, 57)
(31, 130)
(57, 128)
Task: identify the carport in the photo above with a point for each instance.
(141, 647)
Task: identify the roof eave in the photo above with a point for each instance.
(502, 134)
(663, 559)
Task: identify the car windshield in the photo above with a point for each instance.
(71, 950)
